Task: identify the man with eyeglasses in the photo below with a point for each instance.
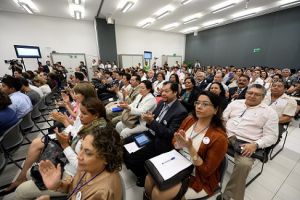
(255, 123)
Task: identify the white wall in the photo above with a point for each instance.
(135, 41)
(49, 33)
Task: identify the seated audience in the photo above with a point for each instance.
(162, 125)
(144, 102)
(8, 116)
(217, 88)
(200, 80)
(158, 84)
(201, 138)
(33, 95)
(251, 121)
(42, 84)
(21, 103)
(92, 115)
(189, 94)
(239, 91)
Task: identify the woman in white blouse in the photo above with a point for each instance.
(144, 102)
(157, 85)
(41, 83)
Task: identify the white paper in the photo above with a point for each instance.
(132, 147)
(170, 163)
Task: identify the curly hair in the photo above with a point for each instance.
(108, 144)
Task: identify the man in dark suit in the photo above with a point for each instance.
(162, 124)
(239, 91)
(201, 83)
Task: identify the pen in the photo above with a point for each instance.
(173, 158)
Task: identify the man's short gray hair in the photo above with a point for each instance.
(258, 86)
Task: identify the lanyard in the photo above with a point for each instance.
(193, 131)
(79, 186)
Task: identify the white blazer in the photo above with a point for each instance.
(140, 106)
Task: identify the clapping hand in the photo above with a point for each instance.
(148, 117)
(62, 138)
(123, 105)
(51, 175)
(181, 142)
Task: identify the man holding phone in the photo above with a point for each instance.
(162, 124)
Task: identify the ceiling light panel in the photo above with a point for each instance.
(164, 11)
(170, 26)
(224, 5)
(76, 9)
(126, 5)
(192, 18)
(184, 2)
(191, 29)
(146, 22)
(212, 23)
(28, 5)
(288, 3)
(246, 12)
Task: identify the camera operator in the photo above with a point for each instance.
(14, 65)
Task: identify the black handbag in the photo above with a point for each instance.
(53, 152)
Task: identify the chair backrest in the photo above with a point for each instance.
(223, 168)
(27, 122)
(35, 113)
(2, 161)
(12, 137)
(43, 105)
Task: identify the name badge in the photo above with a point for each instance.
(236, 121)
(206, 140)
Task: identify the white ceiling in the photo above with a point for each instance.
(146, 8)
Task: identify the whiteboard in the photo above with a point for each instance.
(172, 60)
(130, 60)
(69, 60)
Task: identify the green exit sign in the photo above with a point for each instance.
(256, 50)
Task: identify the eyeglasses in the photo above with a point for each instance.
(255, 94)
(203, 104)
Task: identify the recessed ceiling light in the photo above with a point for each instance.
(184, 2)
(170, 26)
(125, 5)
(164, 11)
(191, 18)
(77, 11)
(246, 12)
(27, 5)
(289, 3)
(146, 22)
(244, 16)
(191, 29)
(224, 5)
(212, 23)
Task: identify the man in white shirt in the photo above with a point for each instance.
(254, 122)
(255, 79)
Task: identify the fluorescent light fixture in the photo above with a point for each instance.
(191, 29)
(223, 8)
(224, 5)
(27, 8)
(163, 14)
(170, 26)
(184, 2)
(30, 6)
(77, 2)
(74, 8)
(146, 25)
(289, 3)
(246, 12)
(164, 11)
(125, 5)
(244, 17)
(146, 22)
(212, 23)
(191, 18)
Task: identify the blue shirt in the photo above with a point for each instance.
(8, 117)
(21, 104)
